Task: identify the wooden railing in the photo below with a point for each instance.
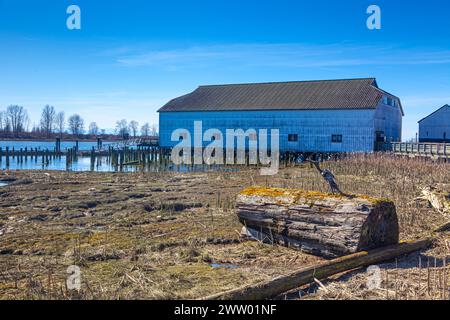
(133, 142)
(418, 149)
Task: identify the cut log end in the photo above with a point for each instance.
(322, 224)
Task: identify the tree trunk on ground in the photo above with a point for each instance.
(296, 279)
(320, 224)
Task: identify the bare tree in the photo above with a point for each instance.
(6, 124)
(17, 118)
(35, 129)
(76, 124)
(145, 130)
(154, 130)
(60, 122)
(48, 120)
(2, 120)
(93, 128)
(134, 127)
(122, 128)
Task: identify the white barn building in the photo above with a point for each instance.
(436, 126)
(312, 116)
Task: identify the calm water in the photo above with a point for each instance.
(103, 165)
(50, 145)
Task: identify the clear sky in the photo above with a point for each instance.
(130, 57)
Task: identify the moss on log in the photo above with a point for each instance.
(322, 224)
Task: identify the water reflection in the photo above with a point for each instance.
(50, 145)
(103, 164)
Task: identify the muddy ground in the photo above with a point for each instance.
(172, 235)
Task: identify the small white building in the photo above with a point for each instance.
(436, 126)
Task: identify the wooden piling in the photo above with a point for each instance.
(92, 158)
(7, 157)
(58, 145)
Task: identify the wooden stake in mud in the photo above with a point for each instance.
(92, 158)
(7, 157)
(68, 159)
(47, 157)
(58, 145)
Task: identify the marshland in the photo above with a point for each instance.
(172, 235)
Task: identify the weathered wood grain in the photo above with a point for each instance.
(321, 224)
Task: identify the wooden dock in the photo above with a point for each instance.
(116, 157)
(118, 154)
(428, 150)
(148, 154)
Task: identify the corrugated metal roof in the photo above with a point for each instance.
(304, 95)
(446, 106)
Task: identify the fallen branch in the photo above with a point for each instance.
(439, 198)
(279, 285)
(444, 227)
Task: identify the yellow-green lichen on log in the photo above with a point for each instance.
(297, 194)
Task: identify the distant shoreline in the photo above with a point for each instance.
(54, 140)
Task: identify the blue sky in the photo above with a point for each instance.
(130, 57)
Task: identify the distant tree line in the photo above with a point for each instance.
(15, 123)
(125, 129)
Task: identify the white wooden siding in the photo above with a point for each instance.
(314, 127)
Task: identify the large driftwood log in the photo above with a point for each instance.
(296, 279)
(321, 224)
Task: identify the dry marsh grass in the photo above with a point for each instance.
(172, 236)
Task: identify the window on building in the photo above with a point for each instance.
(336, 138)
(293, 137)
(390, 101)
